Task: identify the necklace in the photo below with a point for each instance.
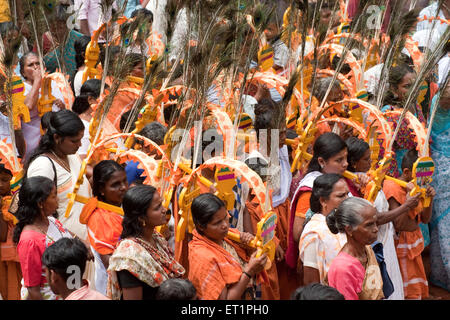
(61, 162)
(46, 232)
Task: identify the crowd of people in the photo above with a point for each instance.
(233, 150)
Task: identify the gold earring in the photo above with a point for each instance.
(143, 224)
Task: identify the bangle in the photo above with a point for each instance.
(247, 274)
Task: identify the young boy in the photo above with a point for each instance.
(65, 262)
(176, 289)
(10, 272)
(410, 241)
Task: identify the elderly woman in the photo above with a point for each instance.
(318, 246)
(143, 258)
(355, 272)
(215, 266)
(31, 72)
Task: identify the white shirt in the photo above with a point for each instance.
(158, 8)
(444, 67)
(41, 166)
(77, 82)
(431, 11)
(91, 11)
(85, 142)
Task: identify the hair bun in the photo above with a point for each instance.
(331, 222)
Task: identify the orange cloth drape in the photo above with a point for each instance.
(211, 267)
(409, 247)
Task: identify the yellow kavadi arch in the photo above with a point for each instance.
(373, 117)
(108, 149)
(226, 171)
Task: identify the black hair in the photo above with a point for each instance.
(91, 88)
(155, 131)
(64, 253)
(322, 188)
(64, 123)
(356, 149)
(33, 191)
(316, 291)
(135, 204)
(209, 137)
(80, 105)
(290, 134)
(23, 59)
(396, 75)
(45, 120)
(326, 146)
(176, 289)
(101, 174)
(265, 115)
(4, 170)
(146, 13)
(80, 46)
(203, 208)
(259, 165)
(409, 159)
(124, 118)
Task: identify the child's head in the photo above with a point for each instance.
(176, 289)
(266, 117)
(407, 164)
(63, 259)
(109, 182)
(155, 131)
(5, 180)
(89, 92)
(317, 291)
(273, 29)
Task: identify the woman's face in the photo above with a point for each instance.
(336, 164)
(69, 145)
(31, 64)
(366, 232)
(217, 228)
(138, 71)
(339, 194)
(50, 204)
(363, 164)
(405, 85)
(115, 188)
(156, 213)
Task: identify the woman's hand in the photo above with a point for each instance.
(37, 76)
(246, 237)
(363, 180)
(256, 265)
